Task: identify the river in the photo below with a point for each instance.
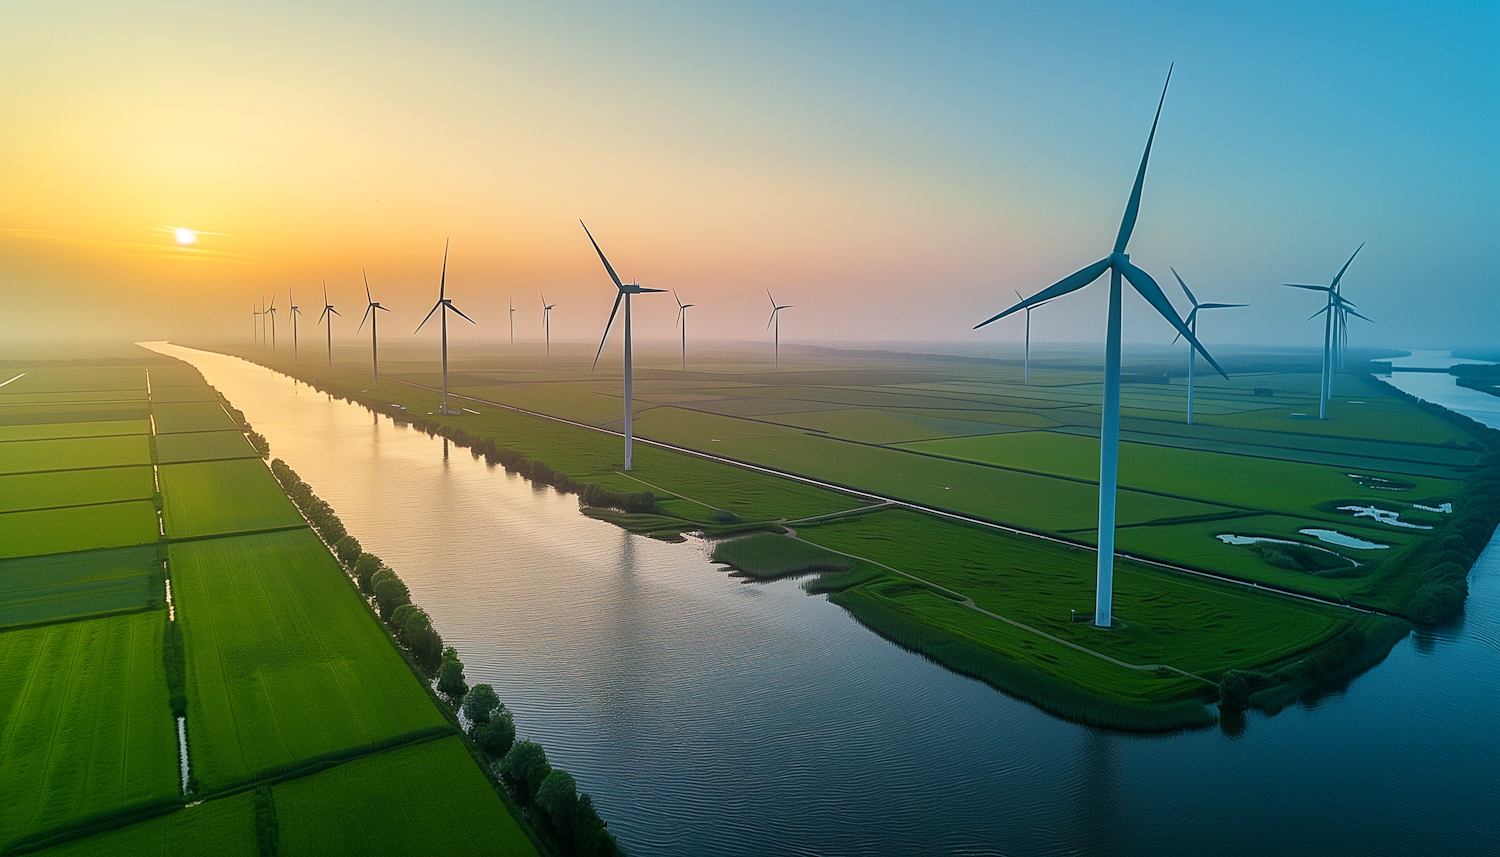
(708, 716)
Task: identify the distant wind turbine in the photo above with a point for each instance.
(1026, 367)
(623, 293)
(513, 321)
(295, 312)
(255, 322)
(272, 312)
(445, 305)
(775, 321)
(370, 313)
(546, 323)
(1119, 266)
(1333, 311)
(682, 309)
(328, 313)
(1192, 324)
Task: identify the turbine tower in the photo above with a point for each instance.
(1119, 266)
(1335, 307)
(370, 313)
(1192, 323)
(272, 312)
(1026, 367)
(445, 305)
(295, 312)
(513, 322)
(776, 321)
(255, 324)
(682, 309)
(623, 292)
(547, 322)
(328, 312)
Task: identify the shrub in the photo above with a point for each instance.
(496, 736)
(347, 549)
(523, 769)
(267, 834)
(451, 675)
(724, 516)
(481, 703)
(175, 660)
(365, 568)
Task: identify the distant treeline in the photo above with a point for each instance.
(549, 798)
(1445, 558)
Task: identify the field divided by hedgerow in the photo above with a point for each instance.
(353, 809)
(20, 491)
(284, 661)
(59, 586)
(218, 828)
(206, 498)
(77, 528)
(84, 724)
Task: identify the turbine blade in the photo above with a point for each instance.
(1219, 306)
(1316, 314)
(639, 290)
(1189, 292)
(771, 319)
(1335, 283)
(363, 318)
(1187, 321)
(676, 298)
(443, 280)
(381, 308)
(1309, 288)
(461, 312)
(334, 311)
(608, 267)
(678, 323)
(1071, 283)
(425, 317)
(773, 300)
(619, 297)
(1152, 293)
(367, 285)
(1357, 315)
(1133, 208)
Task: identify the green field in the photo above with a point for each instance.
(59, 586)
(213, 497)
(284, 661)
(221, 828)
(75, 488)
(203, 446)
(38, 431)
(26, 456)
(65, 379)
(57, 416)
(77, 528)
(84, 724)
(190, 416)
(353, 810)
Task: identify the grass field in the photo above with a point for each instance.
(77, 528)
(212, 497)
(203, 446)
(75, 488)
(84, 725)
(40, 431)
(284, 661)
(352, 809)
(174, 417)
(72, 412)
(25, 456)
(48, 588)
(92, 378)
(222, 828)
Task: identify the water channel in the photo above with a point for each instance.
(709, 716)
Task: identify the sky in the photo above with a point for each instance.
(893, 171)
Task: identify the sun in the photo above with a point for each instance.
(186, 236)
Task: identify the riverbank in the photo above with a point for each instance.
(1302, 628)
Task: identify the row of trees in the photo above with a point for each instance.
(548, 795)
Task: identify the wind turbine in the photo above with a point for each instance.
(444, 304)
(682, 309)
(1192, 323)
(546, 323)
(1026, 367)
(255, 324)
(776, 320)
(624, 292)
(370, 313)
(328, 312)
(513, 322)
(295, 312)
(272, 312)
(1119, 265)
(1334, 308)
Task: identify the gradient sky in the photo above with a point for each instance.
(892, 170)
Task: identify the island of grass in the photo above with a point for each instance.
(968, 441)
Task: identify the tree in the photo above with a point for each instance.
(556, 801)
(497, 736)
(365, 568)
(416, 631)
(451, 675)
(347, 549)
(391, 593)
(523, 770)
(481, 704)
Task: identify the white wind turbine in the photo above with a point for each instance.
(624, 291)
(445, 305)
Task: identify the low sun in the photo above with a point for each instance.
(186, 236)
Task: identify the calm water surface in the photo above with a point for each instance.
(708, 716)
